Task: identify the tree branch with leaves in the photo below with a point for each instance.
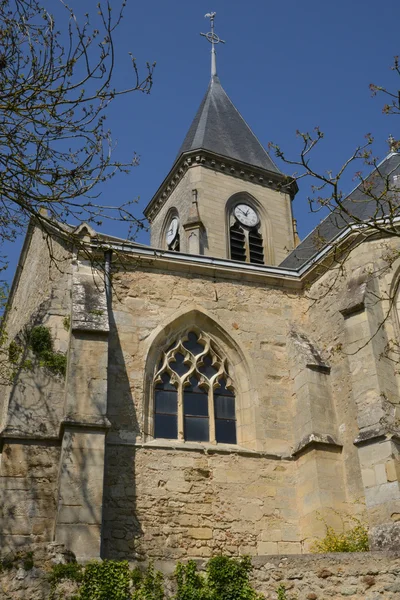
(55, 87)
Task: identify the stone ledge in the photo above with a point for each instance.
(101, 423)
(197, 447)
(354, 301)
(313, 440)
(371, 436)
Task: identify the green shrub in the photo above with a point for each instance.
(150, 586)
(191, 585)
(354, 539)
(228, 578)
(107, 580)
(225, 579)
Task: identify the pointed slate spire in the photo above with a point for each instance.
(219, 127)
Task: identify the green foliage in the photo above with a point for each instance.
(281, 591)
(225, 579)
(353, 539)
(14, 352)
(17, 560)
(150, 586)
(55, 86)
(228, 578)
(40, 340)
(28, 561)
(107, 580)
(136, 576)
(41, 344)
(191, 585)
(67, 322)
(71, 571)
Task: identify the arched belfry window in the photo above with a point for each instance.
(171, 233)
(245, 238)
(194, 396)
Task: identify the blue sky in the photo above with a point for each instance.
(285, 65)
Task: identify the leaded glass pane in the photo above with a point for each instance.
(196, 404)
(195, 400)
(225, 431)
(196, 429)
(224, 410)
(166, 402)
(166, 426)
(224, 407)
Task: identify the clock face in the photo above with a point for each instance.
(172, 230)
(246, 215)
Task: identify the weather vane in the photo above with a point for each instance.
(212, 37)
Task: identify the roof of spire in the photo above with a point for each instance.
(219, 127)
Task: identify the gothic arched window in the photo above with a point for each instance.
(194, 398)
(246, 242)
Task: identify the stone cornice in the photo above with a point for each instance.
(209, 160)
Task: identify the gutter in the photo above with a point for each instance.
(237, 266)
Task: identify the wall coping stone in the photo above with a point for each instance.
(197, 447)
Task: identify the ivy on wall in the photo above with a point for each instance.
(41, 344)
(38, 339)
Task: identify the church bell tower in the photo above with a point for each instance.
(224, 196)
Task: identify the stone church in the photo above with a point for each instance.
(226, 388)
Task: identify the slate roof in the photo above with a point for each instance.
(219, 127)
(357, 203)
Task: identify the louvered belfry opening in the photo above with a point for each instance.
(238, 242)
(246, 242)
(175, 246)
(256, 247)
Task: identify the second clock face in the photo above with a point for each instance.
(172, 230)
(246, 215)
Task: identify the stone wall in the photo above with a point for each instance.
(362, 576)
(353, 323)
(33, 406)
(173, 504)
(254, 325)
(214, 190)
(28, 479)
(249, 322)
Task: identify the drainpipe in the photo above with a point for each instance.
(107, 275)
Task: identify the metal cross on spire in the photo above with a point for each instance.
(213, 39)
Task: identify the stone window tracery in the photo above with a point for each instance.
(194, 397)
